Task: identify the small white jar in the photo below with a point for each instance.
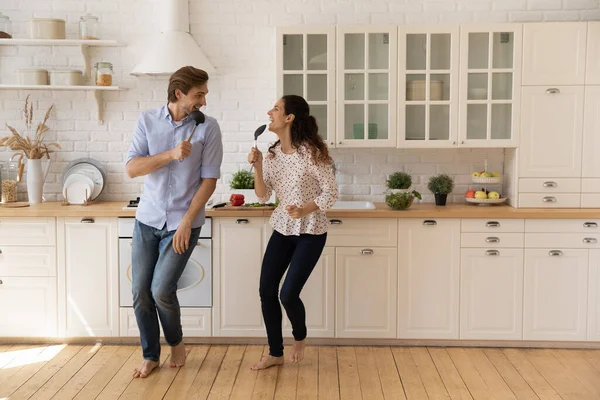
(66, 77)
(47, 28)
(32, 76)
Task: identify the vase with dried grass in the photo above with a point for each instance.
(32, 146)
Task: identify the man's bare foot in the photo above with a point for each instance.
(298, 351)
(145, 368)
(267, 362)
(178, 355)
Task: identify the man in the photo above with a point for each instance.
(180, 178)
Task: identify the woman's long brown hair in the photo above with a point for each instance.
(304, 129)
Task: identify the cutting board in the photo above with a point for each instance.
(229, 207)
(15, 205)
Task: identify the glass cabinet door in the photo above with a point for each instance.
(305, 67)
(428, 87)
(366, 82)
(490, 83)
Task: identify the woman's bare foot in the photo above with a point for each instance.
(178, 355)
(267, 362)
(145, 368)
(298, 351)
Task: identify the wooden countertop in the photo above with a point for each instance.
(115, 209)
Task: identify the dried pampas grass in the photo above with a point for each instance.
(32, 148)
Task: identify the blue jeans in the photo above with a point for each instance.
(156, 268)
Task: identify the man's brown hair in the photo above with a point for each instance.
(184, 79)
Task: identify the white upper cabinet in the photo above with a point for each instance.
(552, 127)
(591, 133)
(490, 78)
(306, 67)
(428, 86)
(366, 80)
(554, 53)
(592, 69)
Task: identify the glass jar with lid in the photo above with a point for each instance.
(104, 73)
(9, 173)
(5, 27)
(89, 28)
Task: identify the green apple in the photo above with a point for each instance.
(487, 175)
(480, 195)
(493, 195)
(475, 174)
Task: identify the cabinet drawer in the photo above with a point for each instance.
(562, 240)
(590, 185)
(362, 232)
(549, 200)
(549, 185)
(28, 231)
(489, 240)
(562, 225)
(27, 261)
(590, 200)
(492, 226)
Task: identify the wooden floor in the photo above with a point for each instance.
(370, 373)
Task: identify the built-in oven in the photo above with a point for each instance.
(194, 288)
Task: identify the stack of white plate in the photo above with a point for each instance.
(83, 180)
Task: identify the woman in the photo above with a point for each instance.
(300, 171)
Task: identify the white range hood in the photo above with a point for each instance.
(174, 47)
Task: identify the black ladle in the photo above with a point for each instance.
(257, 133)
(199, 117)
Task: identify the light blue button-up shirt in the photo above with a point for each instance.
(169, 190)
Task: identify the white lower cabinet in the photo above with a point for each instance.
(491, 294)
(594, 296)
(318, 296)
(366, 292)
(555, 294)
(428, 278)
(28, 307)
(238, 248)
(195, 322)
(88, 295)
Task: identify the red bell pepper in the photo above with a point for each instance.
(236, 199)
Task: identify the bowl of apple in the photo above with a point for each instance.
(486, 177)
(484, 197)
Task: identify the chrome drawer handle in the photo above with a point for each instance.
(552, 91)
(241, 221)
(429, 222)
(87, 221)
(549, 184)
(590, 240)
(492, 253)
(549, 199)
(555, 253)
(335, 221)
(1, 282)
(492, 239)
(367, 251)
(492, 224)
(0, 251)
(590, 225)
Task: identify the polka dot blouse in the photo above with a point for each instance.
(297, 180)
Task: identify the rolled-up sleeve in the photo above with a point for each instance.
(329, 189)
(267, 180)
(139, 144)
(212, 153)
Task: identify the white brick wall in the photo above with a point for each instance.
(239, 39)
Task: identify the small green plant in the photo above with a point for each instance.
(401, 201)
(242, 179)
(441, 184)
(399, 180)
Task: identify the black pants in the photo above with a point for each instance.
(301, 254)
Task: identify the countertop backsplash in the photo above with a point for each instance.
(239, 39)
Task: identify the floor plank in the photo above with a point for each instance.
(329, 380)
(450, 376)
(391, 385)
(227, 373)
(473, 381)
(207, 374)
(308, 375)
(185, 378)
(266, 381)
(246, 377)
(511, 376)
(490, 375)
(434, 386)
(121, 380)
(530, 374)
(411, 379)
(348, 373)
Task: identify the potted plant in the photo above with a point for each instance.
(440, 185)
(399, 181)
(398, 196)
(242, 182)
